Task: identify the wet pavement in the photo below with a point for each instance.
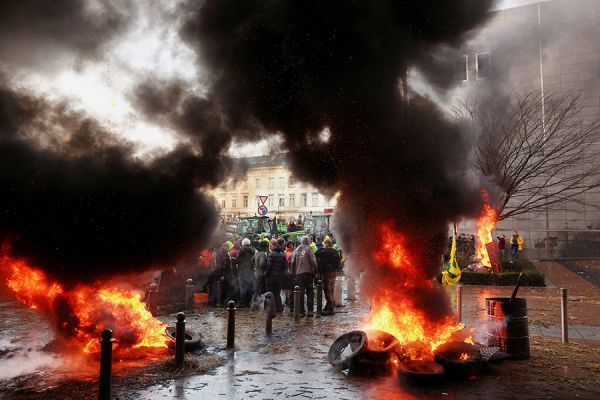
(292, 363)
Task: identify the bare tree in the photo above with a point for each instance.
(539, 150)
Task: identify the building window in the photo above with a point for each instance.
(271, 199)
(257, 182)
(245, 184)
(245, 201)
(281, 182)
(303, 201)
(291, 182)
(271, 183)
(233, 185)
(281, 200)
(233, 203)
(222, 203)
(461, 69)
(483, 65)
(315, 199)
(292, 200)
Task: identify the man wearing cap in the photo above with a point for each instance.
(245, 272)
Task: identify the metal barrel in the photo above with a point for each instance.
(508, 326)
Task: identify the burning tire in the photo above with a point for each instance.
(345, 349)
(379, 350)
(193, 339)
(461, 360)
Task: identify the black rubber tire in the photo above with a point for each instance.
(420, 373)
(448, 356)
(193, 339)
(356, 340)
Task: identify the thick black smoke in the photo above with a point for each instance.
(299, 67)
(82, 207)
(75, 199)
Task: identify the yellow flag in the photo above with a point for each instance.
(451, 275)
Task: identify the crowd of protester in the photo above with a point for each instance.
(247, 268)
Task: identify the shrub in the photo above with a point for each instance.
(531, 277)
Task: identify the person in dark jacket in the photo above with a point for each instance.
(259, 262)
(328, 262)
(223, 273)
(245, 272)
(275, 273)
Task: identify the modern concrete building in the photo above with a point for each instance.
(268, 176)
(551, 46)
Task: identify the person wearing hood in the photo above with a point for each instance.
(245, 272)
(275, 273)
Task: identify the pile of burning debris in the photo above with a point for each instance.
(377, 352)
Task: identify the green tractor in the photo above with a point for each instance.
(247, 226)
(318, 224)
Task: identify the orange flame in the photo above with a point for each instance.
(464, 357)
(86, 309)
(485, 225)
(397, 314)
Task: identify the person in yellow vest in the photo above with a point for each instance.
(516, 245)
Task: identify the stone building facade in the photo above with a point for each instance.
(268, 176)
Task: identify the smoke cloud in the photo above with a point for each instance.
(76, 201)
(299, 67)
(79, 204)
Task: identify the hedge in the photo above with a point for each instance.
(532, 276)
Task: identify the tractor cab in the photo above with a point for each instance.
(318, 224)
(248, 226)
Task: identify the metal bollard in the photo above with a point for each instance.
(189, 296)
(319, 298)
(459, 303)
(337, 292)
(298, 304)
(219, 294)
(231, 325)
(268, 319)
(564, 317)
(152, 302)
(351, 282)
(180, 339)
(105, 365)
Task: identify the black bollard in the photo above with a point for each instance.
(180, 339)
(319, 298)
(189, 296)
(269, 312)
(105, 364)
(219, 294)
(298, 304)
(231, 325)
(268, 319)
